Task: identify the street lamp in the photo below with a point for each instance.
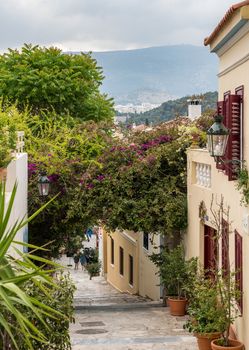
(217, 137)
(43, 184)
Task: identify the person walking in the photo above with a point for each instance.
(76, 260)
(89, 233)
(82, 260)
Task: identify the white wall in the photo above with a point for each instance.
(17, 171)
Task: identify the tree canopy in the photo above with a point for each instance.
(47, 79)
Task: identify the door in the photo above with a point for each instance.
(210, 249)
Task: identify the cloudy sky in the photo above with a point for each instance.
(100, 25)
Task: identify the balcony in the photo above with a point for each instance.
(203, 174)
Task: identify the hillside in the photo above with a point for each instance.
(157, 74)
(170, 109)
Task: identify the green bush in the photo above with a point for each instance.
(56, 330)
(93, 269)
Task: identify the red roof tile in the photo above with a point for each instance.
(224, 20)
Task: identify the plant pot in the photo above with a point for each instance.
(233, 345)
(3, 174)
(177, 306)
(204, 340)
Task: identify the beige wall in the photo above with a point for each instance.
(149, 280)
(146, 281)
(129, 242)
(195, 234)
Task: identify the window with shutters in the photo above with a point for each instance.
(232, 110)
(239, 268)
(225, 248)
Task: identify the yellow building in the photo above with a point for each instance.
(230, 42)
(126, 263)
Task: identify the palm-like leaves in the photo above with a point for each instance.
(14, 272)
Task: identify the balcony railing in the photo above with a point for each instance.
(203, 175)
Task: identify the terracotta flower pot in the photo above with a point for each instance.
(177, 306)
(204, 340)
(233, 345)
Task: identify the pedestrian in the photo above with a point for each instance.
(76, 260)
(82, 260)
(89, 233)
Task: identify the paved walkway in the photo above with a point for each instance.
(108, 320)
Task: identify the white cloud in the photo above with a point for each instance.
(107, 24)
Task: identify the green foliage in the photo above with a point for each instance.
(173, 108)
(93, 269)
(46, 79)
(60, 297)
(14, 274)
(7, 140)
(177, 274)
(139, 186)
(206, 313)
(243, 184)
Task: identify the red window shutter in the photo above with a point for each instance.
(210, 250)
(224, 246)
(238, 267)
(221, 111)
(232, 106)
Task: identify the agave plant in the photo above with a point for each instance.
(14, 273)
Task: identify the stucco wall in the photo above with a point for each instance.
(146, 281)
(17, 172)
(194, 238)
(129, 242)
(149, 281)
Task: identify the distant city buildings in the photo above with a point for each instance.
(131, 108)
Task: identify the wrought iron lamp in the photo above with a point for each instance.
(43, 184)
(217, 137)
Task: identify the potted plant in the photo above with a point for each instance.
(206, 315)
(228, 296)
(176, 276)
(229, 293)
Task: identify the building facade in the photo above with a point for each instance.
(208, 182)
(126, 263)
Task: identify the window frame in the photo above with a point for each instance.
(121, 261)
(131, 270)
(112, 251)
(146, 241)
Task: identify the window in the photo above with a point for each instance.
(232, 109)
(238, 268)
(146, 241)
(224, 247)
(121, 261)
(112, 251)
(131, 270)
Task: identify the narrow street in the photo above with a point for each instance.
(108, 320)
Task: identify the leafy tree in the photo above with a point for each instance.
(140, 184)
(64, 149)
(47, 79)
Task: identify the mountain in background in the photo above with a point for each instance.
(170, 109)
(157, 74)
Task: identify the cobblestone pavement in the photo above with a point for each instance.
(108, 320)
